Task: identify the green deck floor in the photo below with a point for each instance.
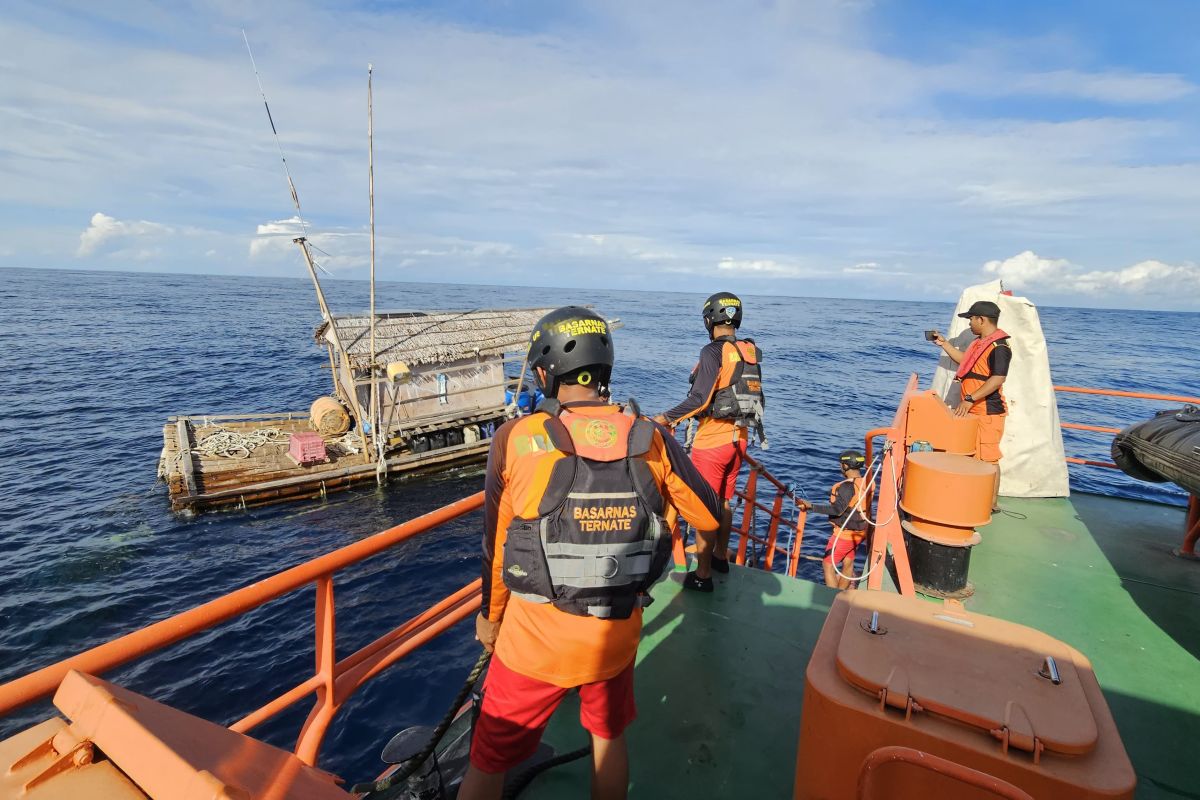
(720, 677)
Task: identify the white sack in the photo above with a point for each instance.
(1033, 462)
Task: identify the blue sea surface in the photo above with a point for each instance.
(96, 361)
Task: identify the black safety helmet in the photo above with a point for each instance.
(573, 345)
(723, 308)
(852, 459)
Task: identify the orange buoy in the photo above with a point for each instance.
(947, 496)
(329, 417)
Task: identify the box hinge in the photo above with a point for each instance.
(1017, 731)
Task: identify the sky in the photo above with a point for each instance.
(889, 149)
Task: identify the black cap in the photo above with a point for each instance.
(982, 308)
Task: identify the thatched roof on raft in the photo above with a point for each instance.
(434, 337)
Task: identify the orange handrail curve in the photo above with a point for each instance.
(1173, 398)
(333, 682)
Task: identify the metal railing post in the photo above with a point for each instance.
(747, 515)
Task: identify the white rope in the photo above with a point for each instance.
(224, 443)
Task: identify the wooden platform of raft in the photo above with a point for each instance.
(197, 481)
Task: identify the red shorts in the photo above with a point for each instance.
(839, 547)
(517, 708)
(719, 467)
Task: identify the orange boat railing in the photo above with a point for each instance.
(747, 528)
(775, 517)
(1191, 532)
(333, 681)
(1075, 426)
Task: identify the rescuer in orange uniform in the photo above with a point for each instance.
(982, 370)
(727, 398)
(847, 518)
(574, 538)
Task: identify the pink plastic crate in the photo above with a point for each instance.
(307, 448)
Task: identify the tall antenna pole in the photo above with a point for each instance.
(376, 411)
(371, 193)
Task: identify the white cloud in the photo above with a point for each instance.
(1145, 277)
(1027, 270)
(106, 233)
(1110, 87)
(866, 267)
(762, 267)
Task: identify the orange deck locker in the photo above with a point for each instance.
(908, 699)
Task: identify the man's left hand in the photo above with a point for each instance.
(662, 420)
(486, 632)
(963, 409)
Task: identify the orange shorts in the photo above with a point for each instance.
(719, 467)
(991, 431)
(517, 708)
(842, 544)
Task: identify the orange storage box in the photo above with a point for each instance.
(906, 699)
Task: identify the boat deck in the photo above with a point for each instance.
(720, 678)
(263, 475)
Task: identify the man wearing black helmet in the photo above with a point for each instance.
(574, 537)
(845, 513)
(726, 396)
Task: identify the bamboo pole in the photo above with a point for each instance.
(333, 331)
(375, 399)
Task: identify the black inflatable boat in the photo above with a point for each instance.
(1165, 448)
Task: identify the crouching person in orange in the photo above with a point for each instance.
(574, 539)
(849, 525)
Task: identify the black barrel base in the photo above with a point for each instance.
(939, 570)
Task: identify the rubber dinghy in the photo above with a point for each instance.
(1165, 448)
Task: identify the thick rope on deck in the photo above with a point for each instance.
(224, 443)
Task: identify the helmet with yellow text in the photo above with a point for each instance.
(723, 308)
(852, 459)
(574, 346)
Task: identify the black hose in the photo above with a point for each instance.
(521, 781)
(416, 761)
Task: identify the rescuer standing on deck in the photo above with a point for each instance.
(727, 398)
(574, 538)
(982, 370)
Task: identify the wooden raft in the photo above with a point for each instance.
(199, 482)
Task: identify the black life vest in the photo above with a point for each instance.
(599, 541)
(741, 400)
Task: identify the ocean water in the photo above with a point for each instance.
(94, 363)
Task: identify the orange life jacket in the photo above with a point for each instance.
(852, 514)
(974, 370)
(738, 394)
(598, 540)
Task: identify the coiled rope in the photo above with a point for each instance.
(224, 443)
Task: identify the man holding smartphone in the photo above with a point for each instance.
(982, 370)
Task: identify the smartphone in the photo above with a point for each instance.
(931, 336)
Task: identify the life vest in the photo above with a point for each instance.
(852, 515)
(599, 541)
(974, 369)
(740, 397)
